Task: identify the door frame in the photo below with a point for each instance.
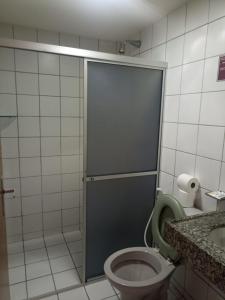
(108, 177)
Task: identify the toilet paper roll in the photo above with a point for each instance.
(187, 183)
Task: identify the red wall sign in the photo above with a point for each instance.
(221, 70)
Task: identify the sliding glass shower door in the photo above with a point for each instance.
(122, 136)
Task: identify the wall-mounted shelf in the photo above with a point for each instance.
(5, 121)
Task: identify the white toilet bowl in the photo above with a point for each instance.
(139, 273)
(142, 273)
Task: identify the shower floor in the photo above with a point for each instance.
(45, 266)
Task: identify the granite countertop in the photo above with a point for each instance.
(190, 238)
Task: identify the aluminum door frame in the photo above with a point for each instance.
(114, 176)
(96, 56)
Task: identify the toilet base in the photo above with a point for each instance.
(159, 294)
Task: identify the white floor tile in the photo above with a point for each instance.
(54, 297)
(78, 259)
(40, 286)
(78, 293)
(75, 246)
(18, 291)
(16, 260)
(34, 244)
(38, 269)
(72, 236)
(35, 256)
(57, 251)
(61, 264)
(54, 240)
(17, 275)
(99, 290)
(66, 279)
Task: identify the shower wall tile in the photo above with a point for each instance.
(69, 40)
(7, 82)
(9, 147)
(70, 107)
(107, 46)
(6, 31)
(50, 126)
(88, 43)
(25, 34)
(26, 61)
(48, 63)
(8, 105)
(28, 126)
(50, 146)
(49, 106)
(41, 148)
(6, 59)
(48, 37)
(49, 85)
(69, 66)
(69, 86)
(31, 186)
(27, 83)
(146, 37)
(28, 105)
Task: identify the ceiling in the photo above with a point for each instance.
(106, 19)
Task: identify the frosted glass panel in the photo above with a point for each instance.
(123, 117)
(117, 212)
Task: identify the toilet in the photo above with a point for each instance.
(142, 273)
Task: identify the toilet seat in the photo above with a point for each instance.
(148, 256)
(166, 208)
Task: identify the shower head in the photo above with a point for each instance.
(134, 43)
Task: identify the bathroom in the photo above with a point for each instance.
(70, 197)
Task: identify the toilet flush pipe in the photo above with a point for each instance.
(149, 221)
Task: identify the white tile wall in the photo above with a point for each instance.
(41, 149)
(190, 39)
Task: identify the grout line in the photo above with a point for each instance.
(22, 219)
(41, 166)
(201, 98)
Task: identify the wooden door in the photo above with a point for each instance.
(4, 277)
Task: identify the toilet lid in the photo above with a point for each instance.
(166, 208)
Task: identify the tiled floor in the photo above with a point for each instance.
(45, 266)
(98, 290)
(49, 269)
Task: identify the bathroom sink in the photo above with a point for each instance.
(217, 235)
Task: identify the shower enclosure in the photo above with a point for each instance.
(80, 135)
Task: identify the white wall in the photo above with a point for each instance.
(56, 38)
(191, 39)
